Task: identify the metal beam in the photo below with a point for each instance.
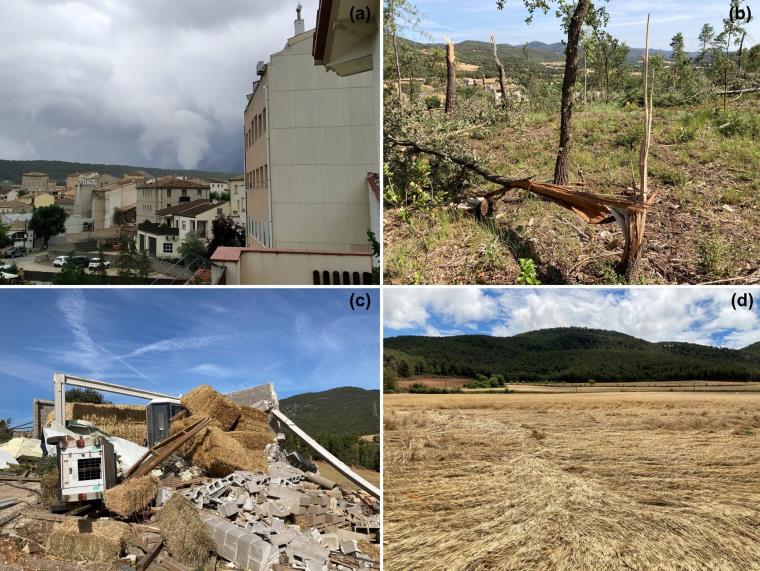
(60, 380)
(329, 458)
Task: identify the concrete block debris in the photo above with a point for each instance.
(282, 520)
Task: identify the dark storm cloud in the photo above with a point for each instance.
(148, 82)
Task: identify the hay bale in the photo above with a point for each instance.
(87, 540)
(255, 441)
(205, 401)
(252, 419)
(49, 488)
(124, 421)
(132, 496)
(184, 533)
(220, 455)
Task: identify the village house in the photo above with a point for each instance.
(17, 227)
(34, 182)
(43, 199)
(160, 193)
(14, 207)
(115, 204)
(218, 186)
(162, 239)
(238, 210)
(7, 194)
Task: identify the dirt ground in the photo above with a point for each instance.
(332, 474)
(645, 481)
(702, 229)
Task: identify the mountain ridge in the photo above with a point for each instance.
(569, 354)
(11, 170)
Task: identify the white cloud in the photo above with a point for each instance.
(177, 344)
(411, 307)
(156, 82)
(694, 315)
(211, 370)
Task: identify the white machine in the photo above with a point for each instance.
(87, 467)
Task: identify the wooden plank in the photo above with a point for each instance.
(81, 510)
(161, 451)
(45, 516)
(149, 557)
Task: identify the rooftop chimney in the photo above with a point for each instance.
(300, 26)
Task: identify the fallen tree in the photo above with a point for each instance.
(629, 212)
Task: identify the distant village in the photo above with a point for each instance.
(306, 210)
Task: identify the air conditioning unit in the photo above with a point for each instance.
(87, 467)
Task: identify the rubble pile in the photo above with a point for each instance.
(231, 490)
(263, 521)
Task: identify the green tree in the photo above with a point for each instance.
(680, 60)
(193, 250)
(48, 221)
(705, 38)
(74, 274)
(5, 430)
(86, 396)
(390, 380)
(607, 56)
(399, 15)
(575, 15)
(225, 232)
(133, 266)
(5, 240)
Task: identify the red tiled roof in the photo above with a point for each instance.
(226, 254)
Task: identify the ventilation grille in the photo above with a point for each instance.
(88, 469)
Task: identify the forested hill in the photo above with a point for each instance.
(568, 354)
(59, 170)
(478, 53)
(345, 411)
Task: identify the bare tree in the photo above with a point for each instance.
(502, 73)
(451, 77)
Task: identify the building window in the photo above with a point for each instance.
(184, 224)
(336, 278)
(315, 277)
(346, 278)
(264, 115)
(326, 277)
(168, 248)
(357, 278)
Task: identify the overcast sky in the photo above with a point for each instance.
(478, 19)
(158, 83)
(170, 340)
(694, 315)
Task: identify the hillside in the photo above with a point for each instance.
(569, 354)
(479, 53)
(345, 411)
(59, 170)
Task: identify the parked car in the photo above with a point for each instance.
(95, 263)
(15, 252)
(83, 261)
(60, 261)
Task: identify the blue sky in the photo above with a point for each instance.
(171, 340)
(694, 315)
(478, 19)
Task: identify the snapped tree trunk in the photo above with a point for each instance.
(398, 70)
(502, 73)
(633, 223)
(562, 166)
(451, 77)
(741, 48)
